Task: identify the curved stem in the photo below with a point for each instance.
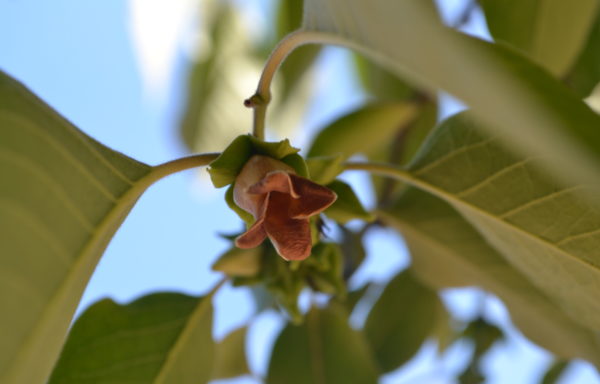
(393, 172)
(261, 98)
(178, 165)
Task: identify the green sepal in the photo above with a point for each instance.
(297, 162)
(324, 169)
(347, 206)
(225, 168)
(240, 262)
(245, 216)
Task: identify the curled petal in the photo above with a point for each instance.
(253, 237)
(291, 237)
(276, 181)
(313, 198)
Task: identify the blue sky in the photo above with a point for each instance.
(80, 58)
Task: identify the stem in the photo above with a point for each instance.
(393, 172)
(178, 165)
(261, 98)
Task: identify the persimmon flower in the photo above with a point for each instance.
(282, 203)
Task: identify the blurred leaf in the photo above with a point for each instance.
(585, 74)
(353, 250)
(347, 206)
(401, 320)
(538, 28)
(354, 296)
(547, 231)
(324, 350)
(323, 269)
(228, 165)
(324, 169)
(483, 334)
(379, 82)
(159, 338)
(447, 252)
(230, 356)
(240, 262)
(220, 79)
(62, 197)
(524, 105)
(362, 130)
(555, 371)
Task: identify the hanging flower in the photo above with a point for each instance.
(281, 203)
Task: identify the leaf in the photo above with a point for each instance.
(549, 232)
(324, 169)
(523, 105)
(62, 197)
(362, 130)
(230, 356)
(240, 262)
(538, 28)
(228, 165)
(585, 74)
(159, 338)
(381, 83)
(446, 251)
(324, 350)
(218, 80)
(554, 372)
(347, 206)
(401, 320)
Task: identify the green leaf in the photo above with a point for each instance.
(324, 169)
(214, 113)
(62, 197)
(230, 356)
(521, 103)
(324, 350)
(585, 74)
(401, 320)
(228, 165)
(483, 334)
(240, 262)
(381, 83)
(363, 129)
(554, 372)
(538, 28)
(548, 231)
(159, 338)
(347, 206)
(446, 251)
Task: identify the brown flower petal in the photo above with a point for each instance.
(282, 203)
(253, 237)
(291, 237)
(313, 198)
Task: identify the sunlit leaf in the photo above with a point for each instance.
(539, 28)
(585, 74)
(522, 104)
(159, 338)
(401, 320)
(62, 197)
(546, 230)
(322, 350)
(362, 130)
(446, 251)
(230, 357)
